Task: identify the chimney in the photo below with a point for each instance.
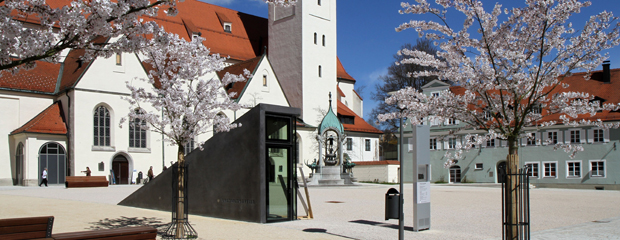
(606, 72)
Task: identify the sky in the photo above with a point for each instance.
(367, 40)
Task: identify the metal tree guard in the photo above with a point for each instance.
(188, 231)
(522, 191)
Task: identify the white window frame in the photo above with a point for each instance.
(451, 121)
(189, 146)
(604, 137)
(99, 146)
(558, 138)
(478, 168)
(451, 143)
(531, 139)
(138, 131)
(568, 169)
(537, 169)
(349, 144)
(227, 27)
(555, 173)
(569, 136)
(433, 144)
(491, 143)
(604, 169)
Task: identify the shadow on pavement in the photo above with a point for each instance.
(123, 221)
(388, 225)
(322, 230)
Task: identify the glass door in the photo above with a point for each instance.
(278, 186)
(280, 169)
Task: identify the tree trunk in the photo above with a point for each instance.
(180, 214)
(512, 165)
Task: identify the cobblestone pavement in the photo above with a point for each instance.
(457, 212)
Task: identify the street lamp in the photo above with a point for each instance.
(401, 218)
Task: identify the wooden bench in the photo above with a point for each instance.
(128, 233)
(26, 228)
(86, 181)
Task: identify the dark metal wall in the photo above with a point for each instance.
(226, 178)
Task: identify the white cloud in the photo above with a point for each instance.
(374, 76)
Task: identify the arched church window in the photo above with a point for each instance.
(137, 131)
(101, 127)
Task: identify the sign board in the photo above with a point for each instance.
(424, 192)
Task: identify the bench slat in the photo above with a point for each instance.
(131, 232)
(23, 221)
(26, 235)
(141, 236)
(23, 228)
(86, 181)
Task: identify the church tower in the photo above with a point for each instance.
(302, 50)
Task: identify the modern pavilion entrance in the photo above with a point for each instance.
(246, 174)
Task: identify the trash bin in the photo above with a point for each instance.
(392, 199)
(139, 180)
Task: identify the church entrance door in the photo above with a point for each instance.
(120, 166)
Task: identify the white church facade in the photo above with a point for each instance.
(67, 116)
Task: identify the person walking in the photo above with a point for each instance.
(87, 172)
(44, 177)
(150, 174)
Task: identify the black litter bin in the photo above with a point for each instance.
(392, 199)
(139, 180)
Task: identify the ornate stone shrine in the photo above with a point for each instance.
(330, 169)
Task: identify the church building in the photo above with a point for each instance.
(65, 116)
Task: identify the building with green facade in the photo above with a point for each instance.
(596, 167)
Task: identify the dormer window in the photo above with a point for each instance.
(195, 36)
(226, 23)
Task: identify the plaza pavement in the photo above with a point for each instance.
(461, 211)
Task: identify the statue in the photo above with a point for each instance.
(347, 165)
(331, 150)
(313, 167)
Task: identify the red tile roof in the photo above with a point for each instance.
(41, 79)
(359, 124)
(237, 69)
(595, 86)
(49, 121)
(340, 92)
(341, 73)
(608, 92)
(384, 162)
(247, 39)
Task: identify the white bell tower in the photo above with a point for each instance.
(302, 50)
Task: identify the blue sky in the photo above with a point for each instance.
(367, 40)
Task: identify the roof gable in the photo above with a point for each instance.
(49, 121)
(435, 84)
(237, 69)
(360, 125)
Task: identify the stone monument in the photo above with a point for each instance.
(330, 169)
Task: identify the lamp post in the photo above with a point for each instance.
(401, 218)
